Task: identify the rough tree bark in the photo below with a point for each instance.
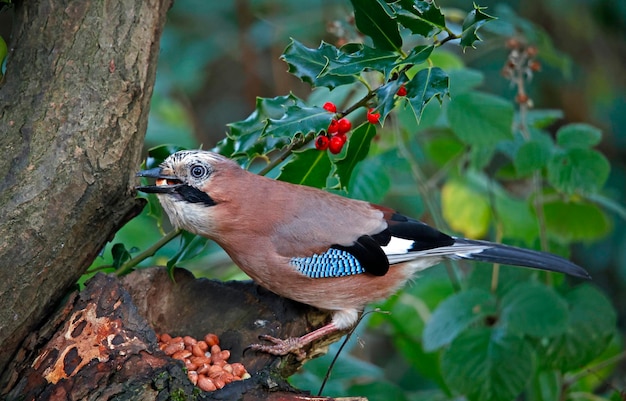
(73, 113)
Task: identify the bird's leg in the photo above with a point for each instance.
(293, 345)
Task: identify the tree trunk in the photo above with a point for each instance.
(73, 114)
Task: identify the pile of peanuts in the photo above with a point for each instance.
(207, 364)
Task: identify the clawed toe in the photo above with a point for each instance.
(279, 346)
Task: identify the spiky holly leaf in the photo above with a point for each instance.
(354, 58)
(473, 21)
(374, 18)
(418, 55)
(308, 64)
(247, 137)
(358, 148)
(426, 84)
(297, 121)
(423, 18)
(386, 95)
(310, 167)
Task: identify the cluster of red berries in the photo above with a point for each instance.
(335, 136)
(336, 132)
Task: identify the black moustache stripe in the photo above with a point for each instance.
(194, 195)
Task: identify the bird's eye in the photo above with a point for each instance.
(198, 171)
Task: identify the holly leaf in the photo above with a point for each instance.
(297, 121)
(374, 19)
(421, 17)
(386, 95)
(275, 123)
(120, 255)
(308, 64)
(354, 58)
(418, 55)
(310, 167)
(473, 21)
(426, 84)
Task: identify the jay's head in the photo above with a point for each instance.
(184, 185)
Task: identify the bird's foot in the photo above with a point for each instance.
(280, 347)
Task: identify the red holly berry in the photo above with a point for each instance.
(401, 90)
(336, 143)
(333, 128)
(330, 106)
(373, 117)
(321, 142)
(344, 126)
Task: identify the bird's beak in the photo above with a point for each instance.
(165, 184)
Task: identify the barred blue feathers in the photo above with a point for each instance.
(332, 263)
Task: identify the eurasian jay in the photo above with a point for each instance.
(312, 246)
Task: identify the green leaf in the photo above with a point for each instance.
(546, 385)
(309, 64)
(422, 17)
(369, 181)
(120, 255)
(276, 123)
(578, 136)
(465, 210)
(386, 95)
(532, 156)
(358, 148)
(190, 246)
(473, 21)
(310, 167)
(591, 325)
(516, 218)
(456, 314)
(464, 80)
(575, 221)
(418, 55)
(488, 365)
(354, 58)
(543, 118)
(534, 309)
(426, 84)
(480, 119)
(296, 120)
(373, 19)
(247, 134)
(578, 169)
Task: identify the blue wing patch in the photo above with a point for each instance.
(332, 263)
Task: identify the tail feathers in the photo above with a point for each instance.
(510, 255)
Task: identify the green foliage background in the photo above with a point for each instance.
(456, 165)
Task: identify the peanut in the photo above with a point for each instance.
(206, 384)
(206, 362)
